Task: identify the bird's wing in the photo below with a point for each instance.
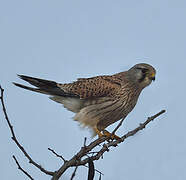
(99, 86)
(83, 88)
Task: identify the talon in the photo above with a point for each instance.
(113, 136)
(106, 134)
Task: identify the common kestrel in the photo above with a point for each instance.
(97, 101)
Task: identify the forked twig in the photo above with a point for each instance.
(14, 138)
(20, 168)
(74, 173)
(59, 156)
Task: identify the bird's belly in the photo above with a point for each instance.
(102, 114)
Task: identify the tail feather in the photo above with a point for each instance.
(41, 83)
(43, 86)
(29, 88)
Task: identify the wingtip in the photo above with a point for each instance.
(21, 76)
(27, 87)
(16, 84)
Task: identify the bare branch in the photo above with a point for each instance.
(95, 170)
(100, 176)
(85, 140)
(20, 168)
(59, 156)
(117, 127)
(116, 142)
(91, 170)
(16, 141)
(74, 173)
(76, 160)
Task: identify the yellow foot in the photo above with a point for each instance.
(113, 136)
(98, 133)
(106, 134)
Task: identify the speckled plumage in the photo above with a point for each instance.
(98, 101)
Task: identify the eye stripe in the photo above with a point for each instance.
(142, 78)
(144, 70)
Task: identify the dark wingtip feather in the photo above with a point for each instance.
(43, 86)
(20, 76)
(40, 83)
(26, 78)
(23, 86)
(29, 88)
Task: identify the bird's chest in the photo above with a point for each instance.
(128, 97)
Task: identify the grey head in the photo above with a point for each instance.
(142, 74)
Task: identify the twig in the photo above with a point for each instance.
(74, 173)
(95, 170)
(117, 127)
(91, 169)
(142, 125)
(20, 168)
(85, 140)
(59, 156)
(100, 176)
(17, 142)
(93, 152)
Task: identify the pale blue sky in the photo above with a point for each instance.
(65, 40)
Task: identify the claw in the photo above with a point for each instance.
(98, 133)
(106, 134)
(113, 136)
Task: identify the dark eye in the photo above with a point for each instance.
(144, 70)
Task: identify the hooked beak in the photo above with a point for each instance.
(153, 76)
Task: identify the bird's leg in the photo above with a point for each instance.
(112, 136)
(98, 132)
(106, 134)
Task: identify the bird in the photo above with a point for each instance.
(97, 101)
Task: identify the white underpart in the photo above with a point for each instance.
(72, 104)
(86, 110)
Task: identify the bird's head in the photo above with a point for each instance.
(143, 74)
